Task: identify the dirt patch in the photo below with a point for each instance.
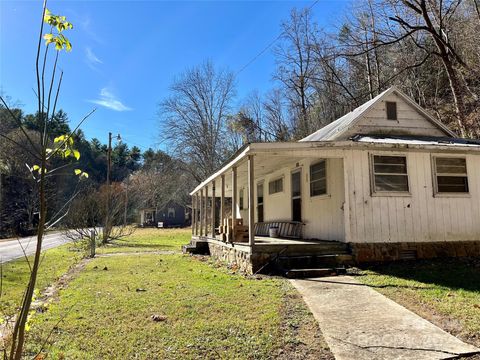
(303, 339)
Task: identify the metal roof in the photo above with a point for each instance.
(336, 128)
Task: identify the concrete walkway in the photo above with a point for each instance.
(359, 323)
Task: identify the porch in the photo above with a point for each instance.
(302, 193)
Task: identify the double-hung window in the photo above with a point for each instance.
(450, 175)
(389, 174)
(318, 178)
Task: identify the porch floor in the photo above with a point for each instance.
(266, 245)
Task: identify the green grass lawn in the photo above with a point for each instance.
(149, 239)
(209, 313)
(445, 291)
(55, 262)
(206, 311)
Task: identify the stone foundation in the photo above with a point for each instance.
(246, 262)
(384, 252)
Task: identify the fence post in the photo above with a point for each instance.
(92, 243)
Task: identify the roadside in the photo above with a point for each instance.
(11, 249)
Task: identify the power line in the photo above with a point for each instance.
(268, 46)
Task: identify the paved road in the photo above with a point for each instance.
(11, 249)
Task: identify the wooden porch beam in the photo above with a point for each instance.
(234, 202)
(213, 209)
(206, 210)
(201, 213)
(222, 199)
(193, 215)
(251, 201)
(196, 213)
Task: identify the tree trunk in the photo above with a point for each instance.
(18, 338)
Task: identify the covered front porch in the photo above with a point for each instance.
(279, 186)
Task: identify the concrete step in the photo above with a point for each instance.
(198, 247)
(314, 261)
(311, 273)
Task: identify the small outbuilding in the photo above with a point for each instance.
(386, 181)
(170, 214)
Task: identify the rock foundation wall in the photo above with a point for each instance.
(382, 252)
(246, 263)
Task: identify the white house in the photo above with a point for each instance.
(384, 182)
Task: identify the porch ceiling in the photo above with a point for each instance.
(263, 165)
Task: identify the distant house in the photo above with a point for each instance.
(170, 214)
(387, 181)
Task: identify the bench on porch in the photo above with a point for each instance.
(286, 229)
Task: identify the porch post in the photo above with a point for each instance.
(201, 213)
(234, 202)
(213, 209)
(196, 213)
(206, 210)
(251, 202)
(193, 214)
(222, 200)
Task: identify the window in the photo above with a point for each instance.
(149, 216)
(318, 178)
(241, 199)
(275, 186)
(391, 110)
(390, 174)
(451, 175)
(171, 213)
(260, 202)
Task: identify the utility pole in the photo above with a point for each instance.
(106, 230)
(126, 204)
(108, 221)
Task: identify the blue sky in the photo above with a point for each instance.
(126, 54)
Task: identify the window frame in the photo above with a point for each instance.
(374, 192)
(310, 178)
(274, 180)
(435, 175)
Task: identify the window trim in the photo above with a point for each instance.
(372, 176)
(310, 179)
(276, 179)
(438, 194)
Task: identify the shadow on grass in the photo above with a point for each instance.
(374, 286)
(119, 244)
(448, 273)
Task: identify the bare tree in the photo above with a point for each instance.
(194, 117)
(277, 123)
(295, 67)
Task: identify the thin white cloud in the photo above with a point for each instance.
(108, 100)
(92, 59)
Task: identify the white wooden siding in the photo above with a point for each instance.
(416, 218)
(409, 121)
(323, 215)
